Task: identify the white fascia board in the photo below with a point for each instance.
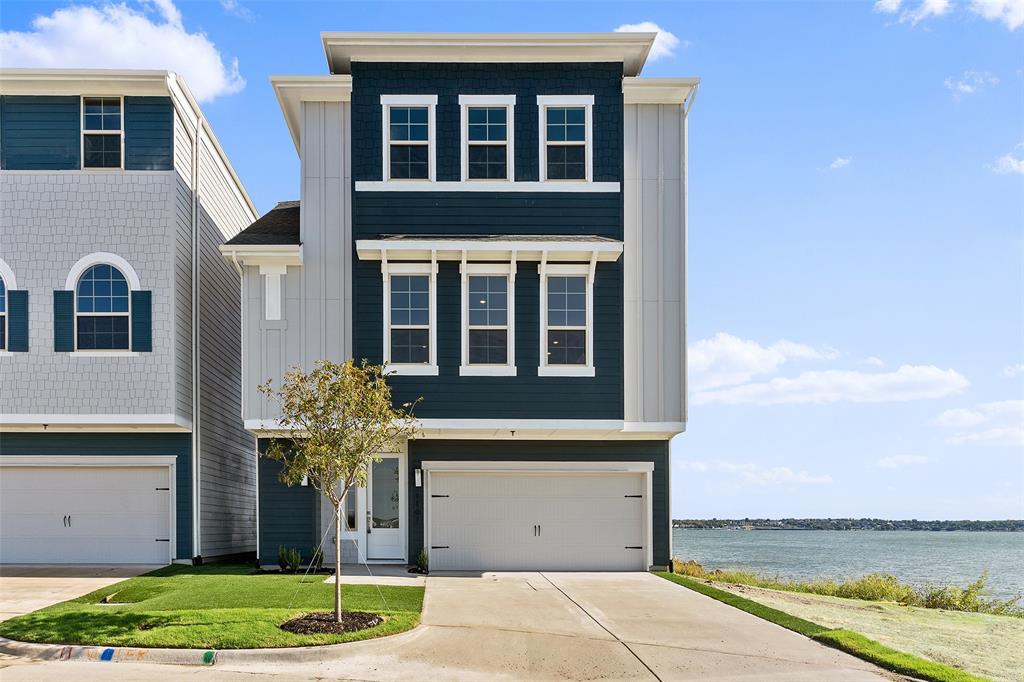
(94, 422)
(376, 249)
(292, 91)
(501, 429)
(78, 81)
(341, 49)
(657, 90)
(498, 466)
(88, 460)
(487, 186)
(263, 254)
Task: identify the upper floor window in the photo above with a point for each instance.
(409, 327)
(567, 320)
(102, 315)
(408, 136)
(3, 314)
(102, 132)
(487, 137)
(566, 144)
(488, 313)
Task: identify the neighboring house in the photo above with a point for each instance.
(120, 369)
(501, 220)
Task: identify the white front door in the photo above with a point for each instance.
(537, 520)
(385, 509)
(84, 514)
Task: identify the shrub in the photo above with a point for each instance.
(422, 561)
(289, 559)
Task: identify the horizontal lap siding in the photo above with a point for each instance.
(148, 133)
(288, 515)
(656, 452)
(40, 132)
(178, 445)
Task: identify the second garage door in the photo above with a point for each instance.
(537, 521)
(83, 514)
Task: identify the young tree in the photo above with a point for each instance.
(337, 418)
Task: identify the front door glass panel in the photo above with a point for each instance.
(385, 493)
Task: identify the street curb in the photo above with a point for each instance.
(107, 654)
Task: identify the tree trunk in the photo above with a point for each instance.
(337, 562)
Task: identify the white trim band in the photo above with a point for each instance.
(487, 186)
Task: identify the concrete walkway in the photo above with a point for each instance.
(25, 587)
(539, 626)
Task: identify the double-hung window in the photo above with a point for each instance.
(102, 132)
(102, 317)
(410, 337)
(488, 125)
(566, 137)
(488, 313)
(408, 125)
(567, 320)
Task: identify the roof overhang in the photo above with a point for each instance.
(263, 254)
(341, 49)
(575, 251)
(84, 81)
(292, 91)
(658, 90)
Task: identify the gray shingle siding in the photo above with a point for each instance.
(526, 81)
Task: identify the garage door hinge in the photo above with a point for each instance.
(633, 547)
(163, 539)
(632, 495)
(161, 488)
(439, 547)
(440, 495)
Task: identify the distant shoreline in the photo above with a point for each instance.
(882, 525)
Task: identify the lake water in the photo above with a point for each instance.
(917, 557)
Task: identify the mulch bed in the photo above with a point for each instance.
(323, 623)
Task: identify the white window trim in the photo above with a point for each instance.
(574, 270)
(508, 270)
(585, 101)
(428, 101)
(492, 101)
(430, 269)
(83, 132)
(7, 277)
(71, 284)
(272, 294)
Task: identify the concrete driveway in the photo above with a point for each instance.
(539, 626)
(25, 588)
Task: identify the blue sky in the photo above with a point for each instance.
(856, 220)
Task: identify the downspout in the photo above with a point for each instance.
(196, 517)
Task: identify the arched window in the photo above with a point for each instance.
(102, 315)
(3, 314)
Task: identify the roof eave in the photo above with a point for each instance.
(291, 91)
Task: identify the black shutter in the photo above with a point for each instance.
(142, 321)
(63, 321)
(17, 321)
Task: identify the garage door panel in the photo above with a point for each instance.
(537, 520)
(84, 514)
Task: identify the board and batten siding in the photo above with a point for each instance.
(178, 445)
(656, 452)
(316, 297)
(654, 263)
(227, 453)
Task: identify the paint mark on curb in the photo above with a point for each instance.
(107, 655)
(209, 657)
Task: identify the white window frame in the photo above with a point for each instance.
(84, 131)
(400, 101)
(546, 101)
(491, 102)
(403, 268)
(507, 270)
(566, 270)
(128, 315)
(134, 284)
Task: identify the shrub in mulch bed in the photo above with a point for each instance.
(323, 623)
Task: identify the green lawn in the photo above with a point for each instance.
(211, 607)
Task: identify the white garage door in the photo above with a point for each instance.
(87, 515)
(537, 521)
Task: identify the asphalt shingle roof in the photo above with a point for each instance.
(279, 225)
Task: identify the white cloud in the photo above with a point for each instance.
(888, 6)
(237, 9)
(927, 8)
(724, 359)
(1008, 164)
(116, 36)
(998, 424)
(969, 83)
(839, 162)
(1010, 12)
(906, 383)
(665, 43)
(1013, 370)
(755, 474)
(873, 361)
(896, 461)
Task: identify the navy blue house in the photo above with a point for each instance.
(500, 220)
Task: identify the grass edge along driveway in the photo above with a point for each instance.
(845, 640)
(214, 606)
